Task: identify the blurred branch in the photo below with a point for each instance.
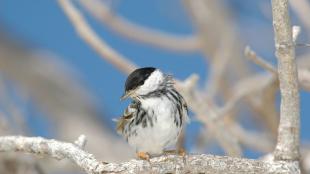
(249, 139)
(303, 70)
(207, 114)
(244, 88)
(249, 53)
(220, 44)
(139, 33)
(304, 78)
(165, 164)
(58, 93)
(99, 45)
(302, 9)
(288, 133)
(295, 32)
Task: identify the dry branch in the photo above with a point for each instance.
(249, 53)
(164, 164)
(302, 9)
(46, 79)
(139, 33)
(86, 33)
(288, 133)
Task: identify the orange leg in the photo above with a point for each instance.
(181, 152)
(143, 156)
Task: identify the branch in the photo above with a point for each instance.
(245, 87)
(302, 9)
(206, 114)
(303, 72)
(288, 133)
(250, 54)
(304, 78)
(86, 33)
(138, 33)
(165, 164)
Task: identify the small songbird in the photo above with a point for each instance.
(157, 115)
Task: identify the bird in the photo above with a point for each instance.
(157, 114)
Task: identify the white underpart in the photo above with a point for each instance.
(164, 132)
(152, 83)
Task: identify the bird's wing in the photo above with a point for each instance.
(128, 114)
(185, 110)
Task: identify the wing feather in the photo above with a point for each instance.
(127, 116)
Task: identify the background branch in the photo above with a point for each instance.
(86, 33)
(138, 33)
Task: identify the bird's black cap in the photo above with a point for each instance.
(138, 77)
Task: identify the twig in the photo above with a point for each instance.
(304, 78)
(99, 45)
(302, 9)
(244, 88)
(302, 44)
(295, 32)
(287, 147)
(207, 114)
(81, 141)
(208, 164)
(249, 139)
(218, 40)
(138, 33)
(250, 54)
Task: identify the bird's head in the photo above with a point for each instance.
(143, 81)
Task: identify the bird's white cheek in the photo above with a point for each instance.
(151, 84)
(145, 89)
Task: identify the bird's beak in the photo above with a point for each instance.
(126, 95)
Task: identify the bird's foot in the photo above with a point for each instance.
(143, 156)
(182, 152)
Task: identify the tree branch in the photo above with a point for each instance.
(138, 33)
(86, 33)
(250, 54)
(288, 133)
(164, 164)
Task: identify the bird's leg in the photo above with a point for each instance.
(182, 152)
(143, 156)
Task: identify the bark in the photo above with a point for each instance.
(288, 132)
(202, 163)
